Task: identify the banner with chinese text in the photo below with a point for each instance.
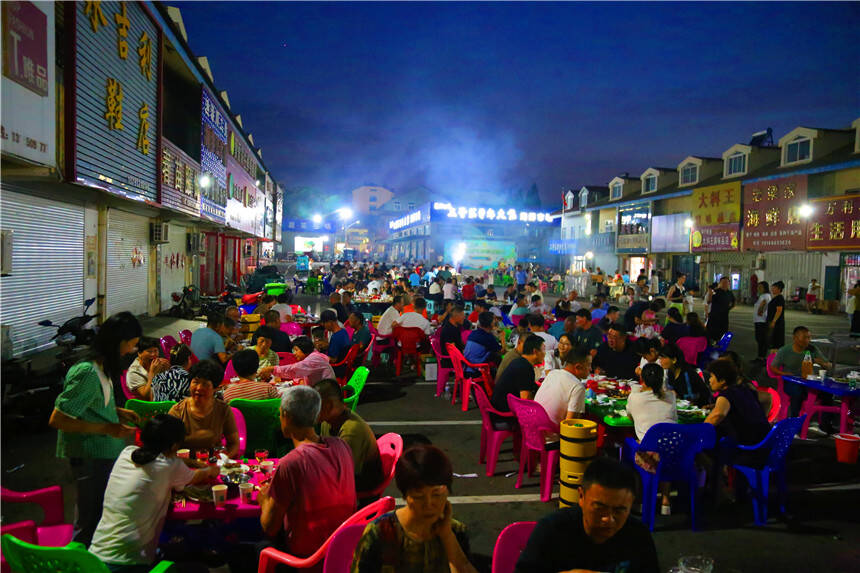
(634, 229)
(29, 88)
(834, 223)
(180, 187)
(213, 154)
(772, 220)
(116, 98)
(716, 217)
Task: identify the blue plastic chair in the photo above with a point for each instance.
(298, 285)
(506, 320)
(431, 306)
(778, 441)
(724, 342)
(327, 289)
(677, 445)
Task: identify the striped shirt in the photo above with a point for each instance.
(270, 359)
(249, 390)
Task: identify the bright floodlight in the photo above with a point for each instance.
(805, 210)
(317, 218)
(688, 223)
(205, 181)
(345, 213)
(589, 255)
(459, 253)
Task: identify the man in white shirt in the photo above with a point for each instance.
(449, 291)
(562, 393)
(391, 317)
(536, 324)
(283, 307)
(415, 319)
(574, 304)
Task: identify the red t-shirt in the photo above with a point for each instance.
(316, 483)
(468, 291)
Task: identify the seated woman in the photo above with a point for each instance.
(695, 326)
(267, 356)
(652, 405)
(421, 537)
(139, 377)
(737, 414)
(138, 493)
(764, 397)
(675, 327)
(683, 378)
(554, 359)
(174, 384)
(206, 419)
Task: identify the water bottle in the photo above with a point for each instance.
(806, 367)
(447, 393)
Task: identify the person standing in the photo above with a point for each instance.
(722, 301)
(776, 316)
(675, 296)
(92, 430)
(760, 319)
(853, 309)
(813, 292)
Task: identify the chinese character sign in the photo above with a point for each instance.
(835, 223)
(771, 216)
(716, 217)
(634, 228)
(213, 153)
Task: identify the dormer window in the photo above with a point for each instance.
(583, 198)
(616, 191)
(649, 184)
(736, 164)
(689, 174)
(798, 149)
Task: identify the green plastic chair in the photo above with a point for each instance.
(25, 557)
(312, 286)
(356, 382)
(147, 410)
(263, 426)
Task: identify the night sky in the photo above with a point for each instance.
(461, 97)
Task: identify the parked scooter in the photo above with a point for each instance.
(185, 303)
(73, 332)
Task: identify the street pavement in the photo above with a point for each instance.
(821, 531)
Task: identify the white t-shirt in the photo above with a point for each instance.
(561, 393)
(646, 410)
(550, 341)
(135, 505)
(284, 310)
(763, 318)
(389, 316)
(414, 320)
(136, 376)
(449, 291)
(435, 288)
(374, 284)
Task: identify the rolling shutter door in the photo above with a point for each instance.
(127, 285)
(47, 279)
(172, 263)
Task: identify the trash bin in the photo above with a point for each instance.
(577, 449)
(847, 448)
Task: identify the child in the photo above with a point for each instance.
(648, 327)
(688, 300)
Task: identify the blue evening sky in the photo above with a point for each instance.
(490, 96)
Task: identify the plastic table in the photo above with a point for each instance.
(830, 386)
(233, 509)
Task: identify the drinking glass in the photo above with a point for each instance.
(261, 455)
(696, 564)
(202, 455)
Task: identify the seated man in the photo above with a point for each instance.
(612, 315)
(615, 357)
(510, 356)
(338, 343)
(562, 393)
(519, 377)
(586, 335)
(267, 301)
(480, 306)
(451, 331)
(334, 300)
(280, 339)
(521, 306)
(789, 361)
(597, 534)
(268, 357)
(337, 420)
(390, 317)
(207, 342)
(564, 326)
(312, 365)
(283, 307)
(482, 345)
(537, 306)
(313, 489)
(245, 363)
(417, 318)
(360, 333)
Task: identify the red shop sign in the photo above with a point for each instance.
(771, 215)
(835, 223)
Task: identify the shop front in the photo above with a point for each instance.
(633, 238)
(670, 247)
(715, 235)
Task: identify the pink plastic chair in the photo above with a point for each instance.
(185, 336)
(229, 372)
(510, 543)
(775, 405)
(52, 532)
(811, 407)
(491, 438)
(271, 557)
(338, 558)
(534, 423)
(390, 448)
(124, 386)
(691, 346)
(442, 372)
(461, 382)
(780, 388)
(516, 318)
(166, 343)
(286, 358)
(291, 328)
(465, 335)
(386, 344)
(242, 430)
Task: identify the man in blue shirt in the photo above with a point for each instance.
(338, 342)
(208, 342)
(521, 277)
(482, 346)
(414, 279)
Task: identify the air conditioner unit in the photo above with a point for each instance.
(158, 233)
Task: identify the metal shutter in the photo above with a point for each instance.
(172, 265)
(47, 280)
(127, 263)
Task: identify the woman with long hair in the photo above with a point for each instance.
(683, 378)
(92, 430)
(697, 329)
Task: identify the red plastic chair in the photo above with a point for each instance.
(382, 344)
(390, 448)
(271, 557)
(534, 423)
(362, 360)
(775, 405)
(780, 388)
(460, 380)
(52, 532)
(166, 343)
(286, 358)
(292, 328)
(442, 372)
(349, 362)
(510, 543)
(516, 318)
(185, 336)
(691, 346)
(122, 384)
(409, 343)
(491, 438)
(338, 558)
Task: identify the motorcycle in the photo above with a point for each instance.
(184, 303)
(73, 333)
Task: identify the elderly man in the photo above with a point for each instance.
(337, 420)
(597, 534)
(312, 364)
(313, 489)
(615, 357)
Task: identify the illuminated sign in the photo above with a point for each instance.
(492, 214)
(404, 221)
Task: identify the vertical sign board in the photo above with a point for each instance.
(213, 150)
(29, 90)
(834, 224)
(180, 187)
(716, 218)
(772, 220)
(279, 213)
(116, 98)
(245, 202)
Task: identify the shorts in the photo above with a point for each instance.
(810, 298)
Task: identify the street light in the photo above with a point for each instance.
(805, 210)
(688, 223)
(317, 218)
(345, 213)
(589, 255)
(205, 181)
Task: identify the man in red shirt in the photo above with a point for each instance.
(480, 306)
(468, 290)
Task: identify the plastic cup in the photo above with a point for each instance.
(183, 453)
(823, 374)
(219, 494)
(246, 491)
(266, 466)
